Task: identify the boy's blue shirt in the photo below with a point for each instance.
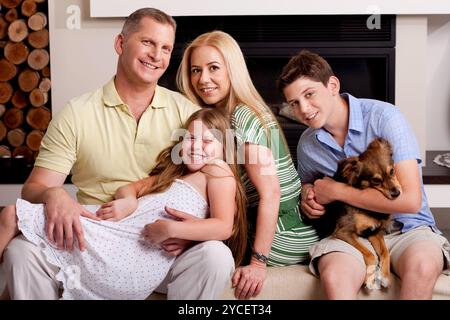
(318, 153)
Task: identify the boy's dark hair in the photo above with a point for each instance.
(133, 20)
(305, 64)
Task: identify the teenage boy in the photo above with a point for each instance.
(342, 126)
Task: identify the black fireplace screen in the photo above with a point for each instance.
(361, 57)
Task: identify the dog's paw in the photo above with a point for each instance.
(384, 280)
(373, 278)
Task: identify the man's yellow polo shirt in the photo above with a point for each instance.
(96, 138)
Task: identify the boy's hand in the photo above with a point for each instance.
(326, 190)
(310, 207)
(117, 209)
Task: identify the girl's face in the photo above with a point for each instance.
(200, 146)
(209, 76)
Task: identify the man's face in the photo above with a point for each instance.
(311, 101)
(144, 55)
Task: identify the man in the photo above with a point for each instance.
(108, 138)
(341, 126)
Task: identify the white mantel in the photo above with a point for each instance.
(121, 8)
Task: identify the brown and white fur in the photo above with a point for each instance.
(374, 168)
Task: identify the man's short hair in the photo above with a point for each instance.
(305, 64)
(132, 22)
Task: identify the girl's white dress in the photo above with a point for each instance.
(117, 263)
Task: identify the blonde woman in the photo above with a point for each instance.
(213, 73)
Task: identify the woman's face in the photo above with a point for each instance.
(209, 76)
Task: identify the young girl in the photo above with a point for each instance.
(213, 73)
(118, 263)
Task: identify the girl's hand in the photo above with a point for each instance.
(117, 209)
(157, 232)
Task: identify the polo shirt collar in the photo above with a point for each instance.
(112, 99)
(159, 100)
(110, 96)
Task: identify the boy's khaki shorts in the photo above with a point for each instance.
(396, 242)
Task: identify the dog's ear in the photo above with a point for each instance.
(349, 170)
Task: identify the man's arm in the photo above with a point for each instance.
(410, 200)
(61, 211)
(39, 182)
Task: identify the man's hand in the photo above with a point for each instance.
(117, 209)
(248, 281)
(63, 219)
(310, 207)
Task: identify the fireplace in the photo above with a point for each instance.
(362, 58)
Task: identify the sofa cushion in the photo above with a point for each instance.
(297, 283)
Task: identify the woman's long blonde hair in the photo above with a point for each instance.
(166, 171)
(242, 90)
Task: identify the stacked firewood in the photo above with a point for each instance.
(24, 77)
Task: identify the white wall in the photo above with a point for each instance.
(121, 8)
(410, 91)
(438, 83)
(82, 55)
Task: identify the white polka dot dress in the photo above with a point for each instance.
(117, 262)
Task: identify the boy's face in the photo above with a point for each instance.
(311, 101)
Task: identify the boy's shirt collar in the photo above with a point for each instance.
(355, 125)
(355, 113)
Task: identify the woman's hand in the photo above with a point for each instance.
(117, 209)
(157, 232)
(248, 280)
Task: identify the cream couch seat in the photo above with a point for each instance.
(297, 283)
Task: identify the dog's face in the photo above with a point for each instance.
(374, 168)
